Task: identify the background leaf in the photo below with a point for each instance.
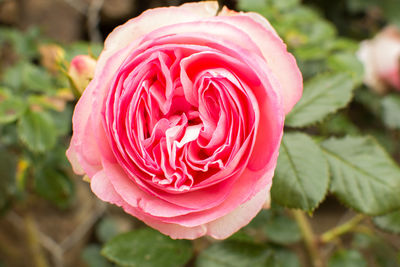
(391, 111)
(364, 177)
(92, 257)
(11, 107)
(283, 258)
(389, 222)
(37, 131)
(322, 95)
(233, 254)
(54, 185)
(347, 258)
(147, 248)
(282, 229)
(301, 176)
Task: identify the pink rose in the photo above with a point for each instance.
(381, 59)
(81, 71)
(182, 122)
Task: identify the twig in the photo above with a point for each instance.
(308, 237)
(32, 234)
(341, 229)
(79, 6)
(6, 248)
(83, 228)
(93, 19)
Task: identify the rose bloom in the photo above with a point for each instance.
(381, 59)
(182, 122)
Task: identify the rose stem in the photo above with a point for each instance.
(33, 241)
(308, 237)
(339, 230)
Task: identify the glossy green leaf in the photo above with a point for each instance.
(233, 254)
(37, 131)
(301, 176)
(364, 177)
(347, 258)
(389, 222)
(147, 248)
(322, 95)
(391, 111)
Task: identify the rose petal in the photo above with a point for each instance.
(281, 62)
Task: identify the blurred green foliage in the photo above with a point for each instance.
(35, 116)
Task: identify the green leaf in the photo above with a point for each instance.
(36, 78)
(54, 186)
(283, 258)
(364, 177)
(389, 222)
(92, 257)
(347, 258)
(322, 95)
(391, 111)
(11, 107)
(347, 62)
(37, 131)
(22, 42)
(12, 76)
(147, 248)
(282, 230)
(339, 124)
(383, 253)
(301, 176)
(362, 241)
(62, 120)
(233, 254)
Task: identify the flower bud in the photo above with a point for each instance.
(81, 71)
(50, 57)
(381, 59)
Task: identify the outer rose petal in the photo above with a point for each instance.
(219, 229)
(73, 159)
(88, 158)
(281, 62)
(153, 19)
(241, 216)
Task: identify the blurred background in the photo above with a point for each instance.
(48, 216)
